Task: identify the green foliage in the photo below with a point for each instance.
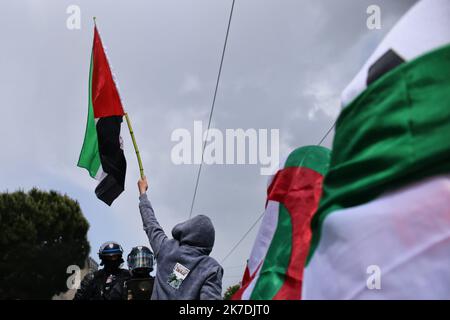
(42, 233)
(230, 291)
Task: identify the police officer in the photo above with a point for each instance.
(140, 263)
(107, 283)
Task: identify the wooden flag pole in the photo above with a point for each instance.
(136, 149)
(141, 169)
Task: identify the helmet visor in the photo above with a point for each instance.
(140, 259)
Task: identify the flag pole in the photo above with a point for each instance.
(136, 149)
(141, 169)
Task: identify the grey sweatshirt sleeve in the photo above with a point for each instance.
(155, 233)
(212, 288)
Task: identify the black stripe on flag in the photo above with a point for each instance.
(112, 159)
(385, 63)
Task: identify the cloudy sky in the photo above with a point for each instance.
(286, 63)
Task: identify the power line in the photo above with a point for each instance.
(328, 132)
(242, 238)
(259, 218)
(212, 108)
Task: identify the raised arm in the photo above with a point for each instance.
(155, 233)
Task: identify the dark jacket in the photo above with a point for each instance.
(139, 288)
(101, 285)
(185, 271)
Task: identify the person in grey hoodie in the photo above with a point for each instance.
(185, 271)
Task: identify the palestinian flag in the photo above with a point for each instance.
(382, 230)
(102, 153)
(275, 267)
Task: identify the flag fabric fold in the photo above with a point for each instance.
(386, 196)
(275, 267)
(102, 152)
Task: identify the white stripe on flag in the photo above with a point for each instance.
(406, 233)
(262, 244)
(100, 174)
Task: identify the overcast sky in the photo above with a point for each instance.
(286, 64)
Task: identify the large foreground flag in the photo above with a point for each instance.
(275, 267)
(102, 154)
(382, 230)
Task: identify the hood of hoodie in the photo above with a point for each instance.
(197, 232)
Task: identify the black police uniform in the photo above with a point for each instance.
(102, 285)
(139, 288)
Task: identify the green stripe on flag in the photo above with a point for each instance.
(90, 156)
(312, 157)
(274, 268)
(394, 133)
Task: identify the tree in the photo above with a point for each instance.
(42, 234)
(230, 291)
